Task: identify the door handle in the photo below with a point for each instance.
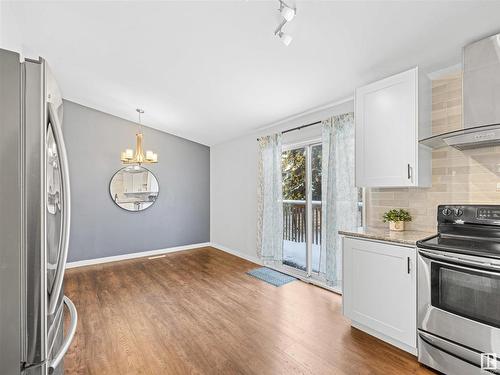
(409, 171)
(69, 337)
(461, 262)
(66, 210)
(408, 265)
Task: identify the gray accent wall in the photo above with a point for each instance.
(99, 228)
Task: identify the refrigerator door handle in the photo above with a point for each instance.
(66, 214)
(69, 337)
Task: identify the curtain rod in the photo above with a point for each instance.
(299, 127)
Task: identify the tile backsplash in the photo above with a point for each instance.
(458, 177)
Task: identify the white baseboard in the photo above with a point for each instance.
(142, 254)
(239, 254)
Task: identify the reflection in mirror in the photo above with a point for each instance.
(134, 188)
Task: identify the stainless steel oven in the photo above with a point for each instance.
(459, 292)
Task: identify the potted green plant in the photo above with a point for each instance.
(397, 219)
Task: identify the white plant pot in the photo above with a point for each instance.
(397, 226)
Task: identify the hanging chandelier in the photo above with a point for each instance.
(130, 157)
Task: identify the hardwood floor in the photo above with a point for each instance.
(197, 312)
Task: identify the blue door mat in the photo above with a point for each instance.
(271, 276)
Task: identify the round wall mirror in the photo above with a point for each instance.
(134, 188)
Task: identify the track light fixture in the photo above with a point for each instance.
(288, 13)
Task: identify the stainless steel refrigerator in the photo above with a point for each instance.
(34, 220)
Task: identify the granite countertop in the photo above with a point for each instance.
(407, 237)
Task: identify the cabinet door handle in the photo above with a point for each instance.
(408, 263)
(409, 171)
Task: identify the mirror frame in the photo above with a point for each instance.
(124, 209)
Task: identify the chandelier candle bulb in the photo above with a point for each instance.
(129, 153)
(149, 155)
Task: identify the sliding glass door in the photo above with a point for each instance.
(294, 170)
(315, 198)
(301, 168)
(307, 219)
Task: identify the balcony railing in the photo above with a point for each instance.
(295, 224)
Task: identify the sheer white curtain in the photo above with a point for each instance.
(339, 208)
(270, 201)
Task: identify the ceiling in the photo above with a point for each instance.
(210, 71)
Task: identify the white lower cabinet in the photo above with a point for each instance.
(379, 290)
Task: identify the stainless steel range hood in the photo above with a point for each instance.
(481, 98)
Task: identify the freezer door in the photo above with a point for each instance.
(56, 334)
(59, 344)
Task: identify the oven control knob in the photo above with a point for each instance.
(446, 212)
(459, 212)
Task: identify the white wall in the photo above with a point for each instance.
(10, 33)
(233, 182)
(99, 228)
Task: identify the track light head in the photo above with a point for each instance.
(285, 38)
(287, 13)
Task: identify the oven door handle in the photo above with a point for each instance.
(458, 260)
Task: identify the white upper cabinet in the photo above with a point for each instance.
(387, 127)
